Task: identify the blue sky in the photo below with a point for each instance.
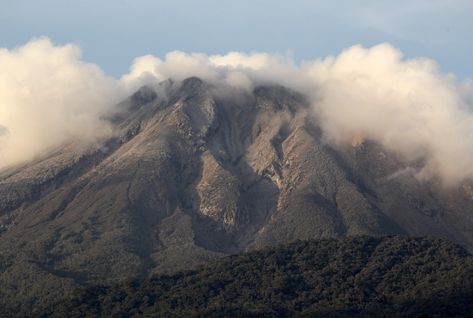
(113, 32)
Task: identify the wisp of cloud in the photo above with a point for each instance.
(49, 96)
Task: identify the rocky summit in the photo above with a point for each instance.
(193, 172)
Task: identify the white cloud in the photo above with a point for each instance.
(49, 96)
(406, 105)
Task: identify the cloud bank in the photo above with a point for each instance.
(49, 96)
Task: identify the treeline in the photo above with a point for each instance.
(349, 277)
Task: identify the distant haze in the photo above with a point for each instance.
(50, 96)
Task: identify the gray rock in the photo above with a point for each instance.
(191, 176)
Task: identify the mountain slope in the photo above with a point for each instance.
(193, 173)
(351, 277)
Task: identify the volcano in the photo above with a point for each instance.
(192, 173)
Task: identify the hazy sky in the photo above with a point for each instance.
(113, 32)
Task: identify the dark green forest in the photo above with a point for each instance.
(347, 277)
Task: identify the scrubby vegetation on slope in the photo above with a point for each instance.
(349, 277)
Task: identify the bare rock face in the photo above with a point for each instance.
(191, 176)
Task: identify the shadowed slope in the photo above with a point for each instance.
(350, 277)
(192, 174)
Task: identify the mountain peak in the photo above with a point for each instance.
(143, 95)
(196, 175)
(193, 85)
